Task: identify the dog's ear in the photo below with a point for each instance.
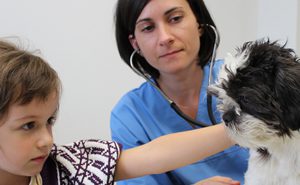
(216, 91)
(287, 92)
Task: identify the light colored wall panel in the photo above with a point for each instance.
(236, 21)
(278, 20)
(298, 28)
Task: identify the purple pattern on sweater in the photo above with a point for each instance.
(86, 162)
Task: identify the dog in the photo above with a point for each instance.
(258, 90)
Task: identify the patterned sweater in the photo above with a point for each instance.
(86, 162)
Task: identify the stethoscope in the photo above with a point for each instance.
(148, 77)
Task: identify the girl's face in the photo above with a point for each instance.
(26, 136)
(168, 35)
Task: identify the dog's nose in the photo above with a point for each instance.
(229, 116)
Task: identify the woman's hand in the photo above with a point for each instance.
(218, 180)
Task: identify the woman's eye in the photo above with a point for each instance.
(51, 120)
(28, 126)
(175, 19)
(147, 28)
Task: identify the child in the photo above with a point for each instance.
(29, 101)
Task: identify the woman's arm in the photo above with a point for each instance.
(172, 151)
(218, 180)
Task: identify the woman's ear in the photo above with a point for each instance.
(200, 30)
(135, 45)
(133, 42)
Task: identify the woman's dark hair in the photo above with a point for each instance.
(128, 11)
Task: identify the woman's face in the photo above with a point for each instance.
(167, 33)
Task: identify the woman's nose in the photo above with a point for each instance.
(165, 36)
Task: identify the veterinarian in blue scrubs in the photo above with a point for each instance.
(170, 41)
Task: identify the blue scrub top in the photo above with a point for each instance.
(143, 115)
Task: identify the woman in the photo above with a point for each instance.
(174, 42)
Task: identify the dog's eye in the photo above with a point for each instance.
(243, 99)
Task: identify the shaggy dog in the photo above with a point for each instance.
(259, 93)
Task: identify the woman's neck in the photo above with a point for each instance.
(11, 179)
(183, 90)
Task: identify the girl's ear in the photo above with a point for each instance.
(133, 42)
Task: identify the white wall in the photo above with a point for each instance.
(240, 21)
(77, 38)
(236, 21)
(279, 20)
(298, 28)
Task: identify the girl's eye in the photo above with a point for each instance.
(28, 126)
(51, 120)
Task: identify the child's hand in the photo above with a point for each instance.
(218, 180)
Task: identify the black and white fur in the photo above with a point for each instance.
(259, 93)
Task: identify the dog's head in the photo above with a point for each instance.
(259, 93)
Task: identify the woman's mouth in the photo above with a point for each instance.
(170, 53)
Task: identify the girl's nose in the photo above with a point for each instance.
(46, 138)
(165, 36)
